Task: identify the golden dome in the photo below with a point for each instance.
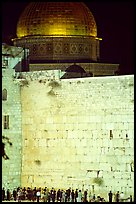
(56, 19)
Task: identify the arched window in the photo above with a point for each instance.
(4, 95)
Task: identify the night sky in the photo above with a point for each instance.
(115, 25)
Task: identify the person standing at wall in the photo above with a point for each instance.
(52, 194)
(34, 194)
(68, 194)
(79, 198)
(63, 196)
(14, 194)
(89, 196)
(76, 195)
(38, 194)
(121, 197)
(24, 193)
(110, 194)
(72, 195)
(117, 197)
(85, 196)
(3, 193)
(49, 196)
(19, 193)
(130, 198)
(58, 195)
(45, 196)
(94, 196)
(8, 194)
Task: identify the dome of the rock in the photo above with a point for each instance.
(58, 32)
(56, 19)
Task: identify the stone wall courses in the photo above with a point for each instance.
(66, 130)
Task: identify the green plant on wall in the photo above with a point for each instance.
(98, 181)
(38, 162)
(51, 93)
(5, 141)
(42, 81)
(131, 84)
(54, 84)
(24, 83)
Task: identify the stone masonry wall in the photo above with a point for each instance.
(78, 132)
(96, 68)
(11, 169)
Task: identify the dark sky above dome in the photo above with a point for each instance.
(115, 25)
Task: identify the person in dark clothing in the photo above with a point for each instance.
(8, 194)
(3, 193)
(110, 196)
(85, 196)
(130, 198)
(117, 196)
(24, 193)
(58, 195)
(38, 194)
(72, 195)
(76, 195)
(68, 194)
(61, 193)
(94, 196)
(28, 194)
(34, 194)
(49, 197)
(53, 196)
(15, 194)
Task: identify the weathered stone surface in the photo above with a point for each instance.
(71, 132)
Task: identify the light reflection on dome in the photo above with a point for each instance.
(56, 19)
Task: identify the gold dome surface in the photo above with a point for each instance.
(56, 19)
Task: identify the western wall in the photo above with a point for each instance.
(76, 133)
(11, 169)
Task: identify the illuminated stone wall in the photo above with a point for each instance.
(98, 69)
(77, 131)
(11, 169)
(73, 132)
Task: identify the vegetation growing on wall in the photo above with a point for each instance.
(51, 93)
(38, 162)
(24, 82)
(98, 181)
(54, 84)
(20, 79)
(5, 141)
(131, 84)
(42, 81)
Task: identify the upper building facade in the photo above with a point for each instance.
(59, 34)
(63, 31)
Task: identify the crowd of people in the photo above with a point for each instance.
(60, 195)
